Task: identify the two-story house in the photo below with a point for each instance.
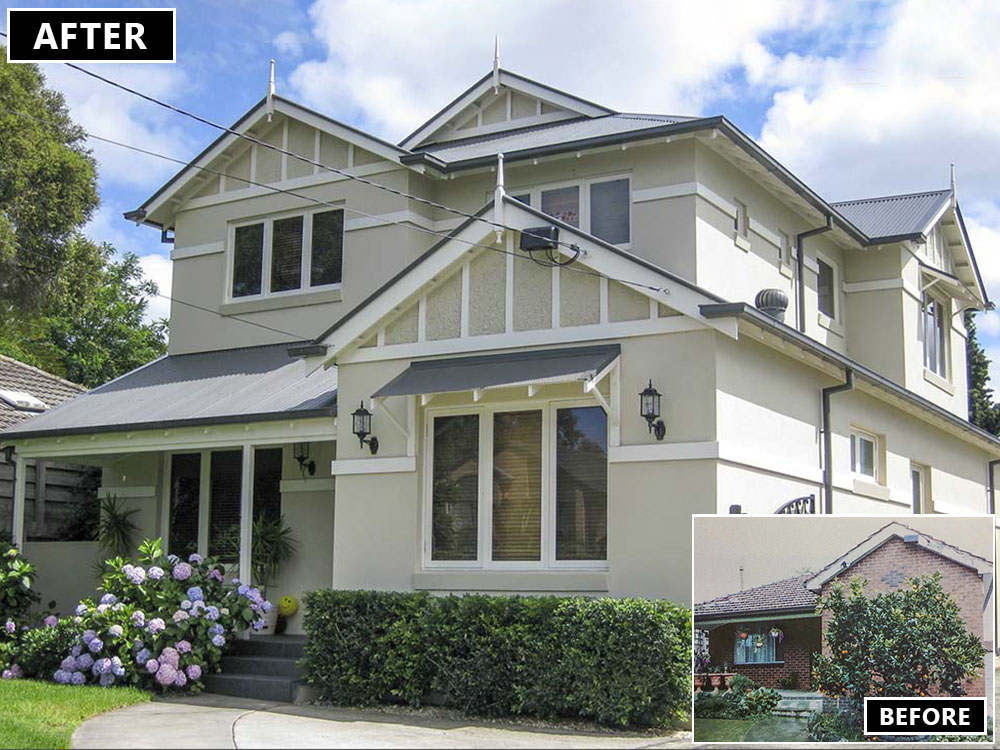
(516, 351)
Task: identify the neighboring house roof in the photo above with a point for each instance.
(786, 595)
(221, 387)
(895, 216)
(47, 388)
(895, 530)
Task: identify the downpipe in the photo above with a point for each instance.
(847, 385)
(800, 268)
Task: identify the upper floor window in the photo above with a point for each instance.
(287, 254)
(865, 455)
(741, 222)
(602, 207)
(826, 288)
(785, 247)
(935, 325)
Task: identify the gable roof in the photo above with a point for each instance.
(786, 595)
(893, 217)
(48, 388)
(254, 384)
(896, 530)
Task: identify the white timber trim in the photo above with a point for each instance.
(129, 491)
(320, 484)
(196, 251)
(165, 502)
(379, 406)
(246, 515)
(204, 502)
(875, 285)
(508, 326)
(20, 491)
(465, 302)
(398, 465)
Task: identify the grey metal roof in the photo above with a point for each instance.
(894, 215)
(48, 388)
(538, 136)
(237, 385)
(786, 594)
(468, 373)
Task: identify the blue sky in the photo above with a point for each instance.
(857, 98)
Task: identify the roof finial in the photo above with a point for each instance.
(953, 178)
(270, 92)
(496, 64)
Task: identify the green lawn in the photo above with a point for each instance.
(44, 715)
(721, 730)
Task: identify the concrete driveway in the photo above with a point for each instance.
(213, 721)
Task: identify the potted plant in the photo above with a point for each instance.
(273, 546)
(702, 667)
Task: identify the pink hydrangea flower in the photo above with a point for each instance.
(182, 571)
(152, 666)
(166, 675)
(180, 615)
(184, 647)
(170, 656)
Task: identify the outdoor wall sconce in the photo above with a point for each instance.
(649, 409)
(363, 428)
(302, 456)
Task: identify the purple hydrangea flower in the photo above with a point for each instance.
(180, 615)
(136, 575)
(60, 675)
(103, 608)
(68, 664)
(109, 599)
(198, 607)
(180, 680)
(117, 668)
(215, 575)
(170, 656)
(265, 606)
(7, 675)
(51, 621)
(156, 573)
(195, 558)
(84, 661)
(152, 665)
(77, 649)
(10, 627)
(77, 678)
(182, 571)
(156, 625)
(174, 559)
(102, 666)
(184, 647)
(242, 589)
(95, 645)
(194, 672)
(143, 656)
(257, 624)
(186, 604)
(138, 618)
(212, 613)
(217, 629)
(166, 675)
(81, 609)
(88, 636)
(116, 631)
(218, 640)
(195, 594)
(107, 679)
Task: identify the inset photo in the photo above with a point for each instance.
(798, 618)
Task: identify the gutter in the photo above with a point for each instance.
(847, 385)
(800, 268)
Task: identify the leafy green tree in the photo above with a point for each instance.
(48, 185)
(983, 412)
(908, 642)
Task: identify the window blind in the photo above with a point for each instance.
(248, 259)
(455, 476)
(327, 248)
(609, 211)
(563, 204)
(185, 483)
(581, 484)
(286, 254)
(517, 486)
(224, 509)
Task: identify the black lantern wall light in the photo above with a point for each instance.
(649, 409)
(363, 428)
(301, 451)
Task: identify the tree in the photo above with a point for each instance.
(982, 411)
(908, 642)
(48, 185)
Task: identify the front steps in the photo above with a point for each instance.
(263, 667)
(798, 704)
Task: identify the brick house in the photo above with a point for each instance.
(771, 632)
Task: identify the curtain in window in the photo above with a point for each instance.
(563, 204)
(185, 483)
(248, 258)
(286, 254)
(758, 647)
(581, 484)
(609, 211)
(327, 248)
(224, 509)
(455, 477)
(517, 486)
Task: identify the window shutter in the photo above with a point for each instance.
(224, 498)
(609, 211)
(455, 501)
(517, 485)
(581, 484)
(286, 254)
(248, 258)
(185, 483)
(327, 248)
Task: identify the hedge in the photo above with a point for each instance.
(616, 661)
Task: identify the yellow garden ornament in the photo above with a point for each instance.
(288, 606)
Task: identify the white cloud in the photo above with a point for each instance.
(288, 43)
(397, 62)
(159, 268)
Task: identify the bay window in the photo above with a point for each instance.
(521, 488)
(287, 254)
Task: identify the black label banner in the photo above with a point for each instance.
(921, 716)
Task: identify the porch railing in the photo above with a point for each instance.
(798, 506)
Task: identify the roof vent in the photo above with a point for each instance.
(772, 302)
(22, 401)
(539, 239)
(911, 539)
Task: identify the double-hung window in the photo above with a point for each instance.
(756, 646)
(826, 288)
(865, 455)
(518, 488)
(935, 324)
(599, 206)
(287, 254)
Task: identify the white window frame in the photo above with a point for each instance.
(484, 547)
(944, 344)
(583, 184)
(306, 268)
(774, 643)
(838, 306)
(858, 434)
(741, 222)
(784, 247)
(924, 471)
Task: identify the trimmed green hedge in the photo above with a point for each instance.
(616, 661)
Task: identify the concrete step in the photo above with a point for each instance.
(270, 666)
(274, 646)
(260, 687)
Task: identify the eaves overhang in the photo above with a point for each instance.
(727, 618)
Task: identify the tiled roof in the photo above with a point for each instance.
(894, 215)
(787, 594)
(50, 389)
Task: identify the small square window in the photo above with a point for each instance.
(864, 455)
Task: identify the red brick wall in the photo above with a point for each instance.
(802, 639)
(887, 569)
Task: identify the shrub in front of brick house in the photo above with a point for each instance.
(908, 642)
(616, 661)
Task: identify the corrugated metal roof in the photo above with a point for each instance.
(894, 215)
(50, 389)
(236, 385)
(787, 594)
(564, 131)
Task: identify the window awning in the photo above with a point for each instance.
(501, 370)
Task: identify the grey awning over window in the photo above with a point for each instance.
(498, 370)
